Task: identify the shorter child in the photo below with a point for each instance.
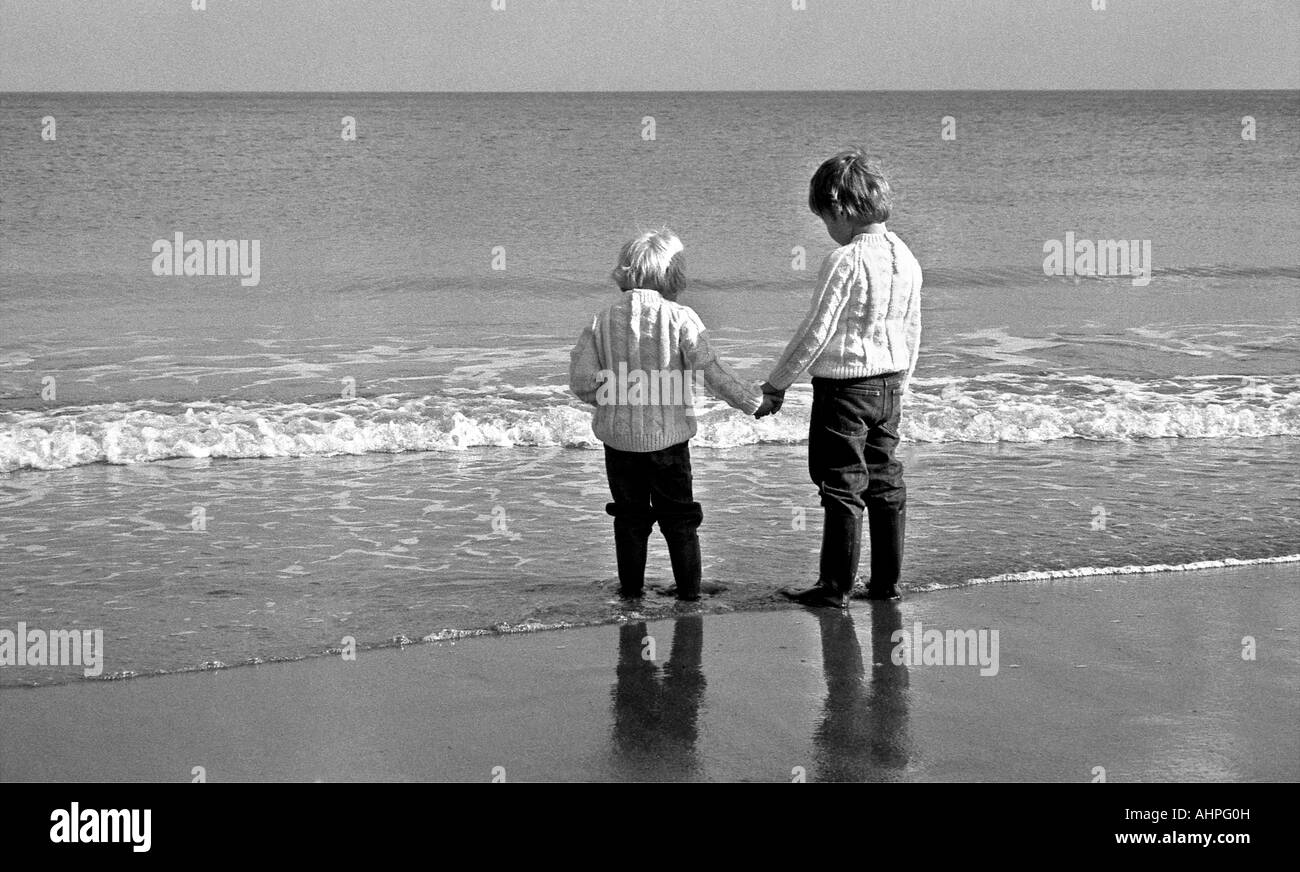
(640, 363)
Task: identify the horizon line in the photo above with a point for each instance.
(674, 91)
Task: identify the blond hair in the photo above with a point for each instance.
(655, 259)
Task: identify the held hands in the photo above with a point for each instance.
(773, 399)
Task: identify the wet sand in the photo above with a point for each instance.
(1141, 676)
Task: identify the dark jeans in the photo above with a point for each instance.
(647, 487)
(851, 440)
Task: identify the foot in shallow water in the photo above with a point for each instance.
(612, 587)
(817, 596)
(707, 588)
(866, 591)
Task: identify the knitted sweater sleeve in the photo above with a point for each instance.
(584, 366)
(698, 355)
(912, 324)
(818, 326)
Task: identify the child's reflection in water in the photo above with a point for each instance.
(862, 734)
(656, 710)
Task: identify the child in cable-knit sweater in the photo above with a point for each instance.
(860, 338)
(641, 362)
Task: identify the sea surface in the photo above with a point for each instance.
(376, 440)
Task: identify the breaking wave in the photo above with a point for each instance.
(1000, 407)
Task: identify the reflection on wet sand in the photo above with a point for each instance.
(862, 734)
(656, 710)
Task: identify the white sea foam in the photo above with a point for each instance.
(997, 407)
(1095, 571)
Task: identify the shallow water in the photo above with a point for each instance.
(295, 554)
(378, 440)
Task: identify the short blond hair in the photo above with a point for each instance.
(655, 259)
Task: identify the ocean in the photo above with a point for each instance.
(375, 440)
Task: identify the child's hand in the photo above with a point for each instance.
(771, 404)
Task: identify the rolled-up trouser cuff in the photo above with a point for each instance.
(630, 519)
(688, 517)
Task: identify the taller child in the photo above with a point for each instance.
(860, 339)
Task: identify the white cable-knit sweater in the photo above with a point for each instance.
(865, 317)
(639, 363)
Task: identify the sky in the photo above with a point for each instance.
(646, 45)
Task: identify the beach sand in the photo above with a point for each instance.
(1142, 676)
